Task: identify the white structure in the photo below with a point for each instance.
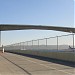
(2, 49)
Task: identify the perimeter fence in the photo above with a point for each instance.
(57, 43)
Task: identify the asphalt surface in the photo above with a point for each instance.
(14, 64)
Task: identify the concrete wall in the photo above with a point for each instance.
(67, 56)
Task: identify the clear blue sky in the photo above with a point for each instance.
(44, 12)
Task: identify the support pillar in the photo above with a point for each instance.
(0, 38)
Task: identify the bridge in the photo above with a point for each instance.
(4, 27)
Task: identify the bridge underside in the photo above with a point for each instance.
(6, 27)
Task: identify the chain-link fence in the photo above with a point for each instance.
(57, 43)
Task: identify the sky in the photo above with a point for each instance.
(43, 12)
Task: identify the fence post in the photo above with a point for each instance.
(24, 45)
(38, 42)
(57, 43)
(73, 40)
(32, 42)
(20, 45)
(27, 43)
(46, 41)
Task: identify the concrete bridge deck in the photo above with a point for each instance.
(13, 64)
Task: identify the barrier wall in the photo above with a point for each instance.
(67, 56)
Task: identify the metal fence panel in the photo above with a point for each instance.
(65, 42)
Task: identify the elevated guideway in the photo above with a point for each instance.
(5, 27)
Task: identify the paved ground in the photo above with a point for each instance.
(13, 64)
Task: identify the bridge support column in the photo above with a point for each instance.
(0, 38)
